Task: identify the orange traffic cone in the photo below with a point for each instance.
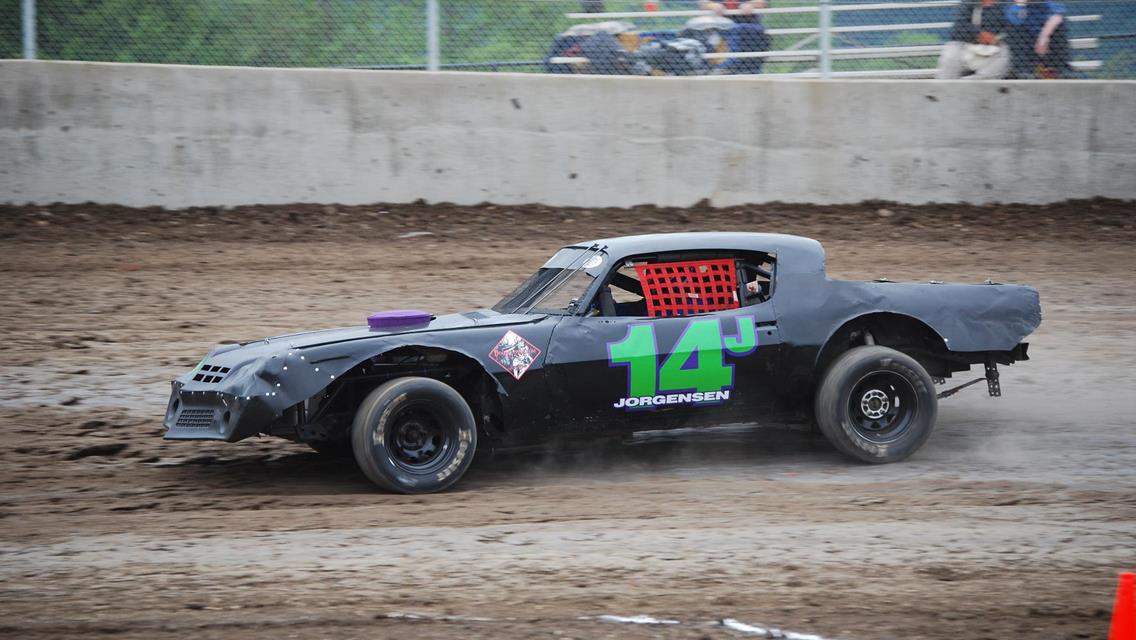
(1124, 611)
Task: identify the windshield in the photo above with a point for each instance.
(558, 286)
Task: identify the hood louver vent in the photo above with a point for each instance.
(210, 374)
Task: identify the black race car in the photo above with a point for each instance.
(614, 336)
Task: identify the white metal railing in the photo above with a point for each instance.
(823, 32)
(924, 73)
(838, 8)
(846, 53)
(914, 26)
(877, 6)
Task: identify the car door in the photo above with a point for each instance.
(610, 374)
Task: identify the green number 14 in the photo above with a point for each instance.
(696, 363)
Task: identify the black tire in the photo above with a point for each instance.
(876, 404)
(414, 435)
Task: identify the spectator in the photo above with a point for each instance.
(607, 56)
(748, 34)
(1038, 39)
(976, 49)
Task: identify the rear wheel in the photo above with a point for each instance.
(414, 435)
(876, 404)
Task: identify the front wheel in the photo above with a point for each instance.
(414, 435)
(876, 404)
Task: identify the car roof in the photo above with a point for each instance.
(794, 253)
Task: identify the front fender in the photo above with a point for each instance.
(237, 393)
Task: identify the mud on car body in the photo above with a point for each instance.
(611, 337)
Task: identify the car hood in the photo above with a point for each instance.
(322, 337)
(253, 383)
(344, 334)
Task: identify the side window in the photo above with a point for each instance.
(756, 281)
(689, 287)
(622, 293)
(685, 284)
(631, 291)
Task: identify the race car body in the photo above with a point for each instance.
(614, 336)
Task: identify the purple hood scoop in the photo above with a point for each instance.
(399, 319)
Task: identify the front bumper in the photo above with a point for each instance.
(239, 391)
(215, 415)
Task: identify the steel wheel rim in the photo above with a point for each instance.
(882, 406)
(419, 438)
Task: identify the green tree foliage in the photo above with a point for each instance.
(11, 37)
(501, 30)
(289, 33)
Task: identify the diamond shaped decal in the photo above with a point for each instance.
(514, 354)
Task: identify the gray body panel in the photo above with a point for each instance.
(258, 381)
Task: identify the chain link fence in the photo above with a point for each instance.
(808, 38)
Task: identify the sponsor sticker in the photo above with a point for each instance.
(514, 354)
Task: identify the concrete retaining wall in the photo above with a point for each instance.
(180, 136)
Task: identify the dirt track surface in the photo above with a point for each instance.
(1012, 522)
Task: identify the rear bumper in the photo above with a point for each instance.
(1019, 353)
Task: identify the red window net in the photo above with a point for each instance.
(687, 288)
